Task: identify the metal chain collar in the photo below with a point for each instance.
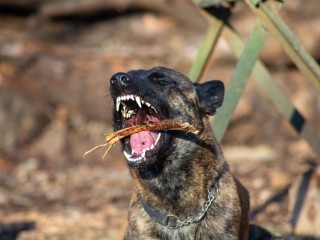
(172, 221)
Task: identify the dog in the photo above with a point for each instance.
(184, 188)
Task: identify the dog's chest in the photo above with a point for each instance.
(192, 232)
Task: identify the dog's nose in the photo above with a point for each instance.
(120, 80)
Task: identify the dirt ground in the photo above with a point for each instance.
(55, 105)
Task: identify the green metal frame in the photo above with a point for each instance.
(209, 42)
(249, 64)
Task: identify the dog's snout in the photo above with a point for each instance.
(120, 80)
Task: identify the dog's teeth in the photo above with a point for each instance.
(131, 97)
(138, 100)
(127, 155)
(143, 155)
(157, 139)
(123, 113)
(130, 113)
(142, 101)
(154, 109)
(148, 104)
(118, 104)
(152, 147)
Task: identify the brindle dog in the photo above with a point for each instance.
(184, 188)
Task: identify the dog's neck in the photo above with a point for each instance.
(181, 185)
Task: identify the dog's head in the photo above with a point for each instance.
(143, 96)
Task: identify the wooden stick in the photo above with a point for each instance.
(168, 124)
(163, 125)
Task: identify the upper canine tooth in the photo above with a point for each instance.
(154, 109)
(118, 104)
(138, 100)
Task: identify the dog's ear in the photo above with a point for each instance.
(210, 95)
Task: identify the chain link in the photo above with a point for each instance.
(175, 222)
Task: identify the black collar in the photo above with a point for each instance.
(172, 221)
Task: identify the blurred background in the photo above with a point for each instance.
(56, 59)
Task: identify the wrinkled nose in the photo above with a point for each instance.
(120, 80)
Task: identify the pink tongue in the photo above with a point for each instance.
(142, 140)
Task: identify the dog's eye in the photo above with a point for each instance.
(159, 78)
(161, 81)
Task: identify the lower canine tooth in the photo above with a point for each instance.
(157, 139)
(144, 153)
(127, 155)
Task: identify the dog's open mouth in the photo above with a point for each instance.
(132, 111)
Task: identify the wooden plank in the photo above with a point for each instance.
(239, 79)
(206, 3)
(279, 98)
(206, 49)
(295, 50)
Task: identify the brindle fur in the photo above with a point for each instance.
(187, 167)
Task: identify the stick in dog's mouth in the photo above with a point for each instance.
(168, 124)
